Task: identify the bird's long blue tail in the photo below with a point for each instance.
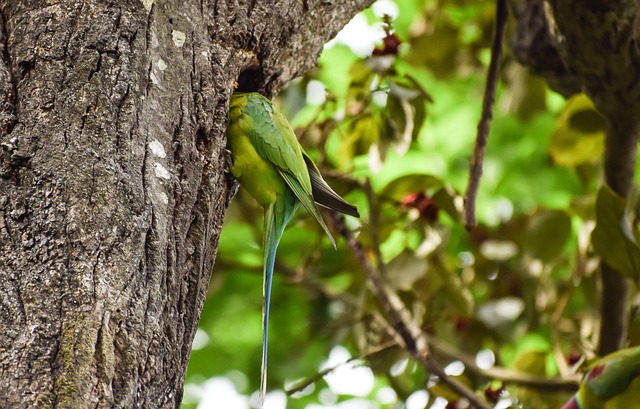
(276, 218)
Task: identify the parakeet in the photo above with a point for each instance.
(613, 382)
(271, 165)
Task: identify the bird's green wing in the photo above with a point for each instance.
(323, 194)
(273, 138)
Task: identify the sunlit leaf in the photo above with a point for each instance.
(579, 134)
(404, 269)
(532, 361)
(353, 139)
(498, 249)
(397, 189)
(361, 78)
(393, 245)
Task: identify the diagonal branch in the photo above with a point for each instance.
(413, 338)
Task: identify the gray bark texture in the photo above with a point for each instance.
(593, 47)
(112, 181)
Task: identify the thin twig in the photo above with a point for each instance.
(569, 384)
(475, 172)
(300, 385)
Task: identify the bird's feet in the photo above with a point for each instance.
(232, 183)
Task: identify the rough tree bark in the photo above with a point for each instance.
(112, 181)
(593, 46)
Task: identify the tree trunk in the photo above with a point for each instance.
(113, 184)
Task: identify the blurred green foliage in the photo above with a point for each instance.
(393, 133)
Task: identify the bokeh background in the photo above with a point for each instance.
(390, 115)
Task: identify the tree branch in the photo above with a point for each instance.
(475, 172)
(619, 165)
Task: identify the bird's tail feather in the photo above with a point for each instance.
(276, 217)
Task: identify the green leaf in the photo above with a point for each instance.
(399, 121)
(438, 50)
(532, 361)
(547, 235)
(398, 188)
(612, 238)
(361, 79)
(447, 200)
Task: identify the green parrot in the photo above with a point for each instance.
(271, 165)
(612, 382)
